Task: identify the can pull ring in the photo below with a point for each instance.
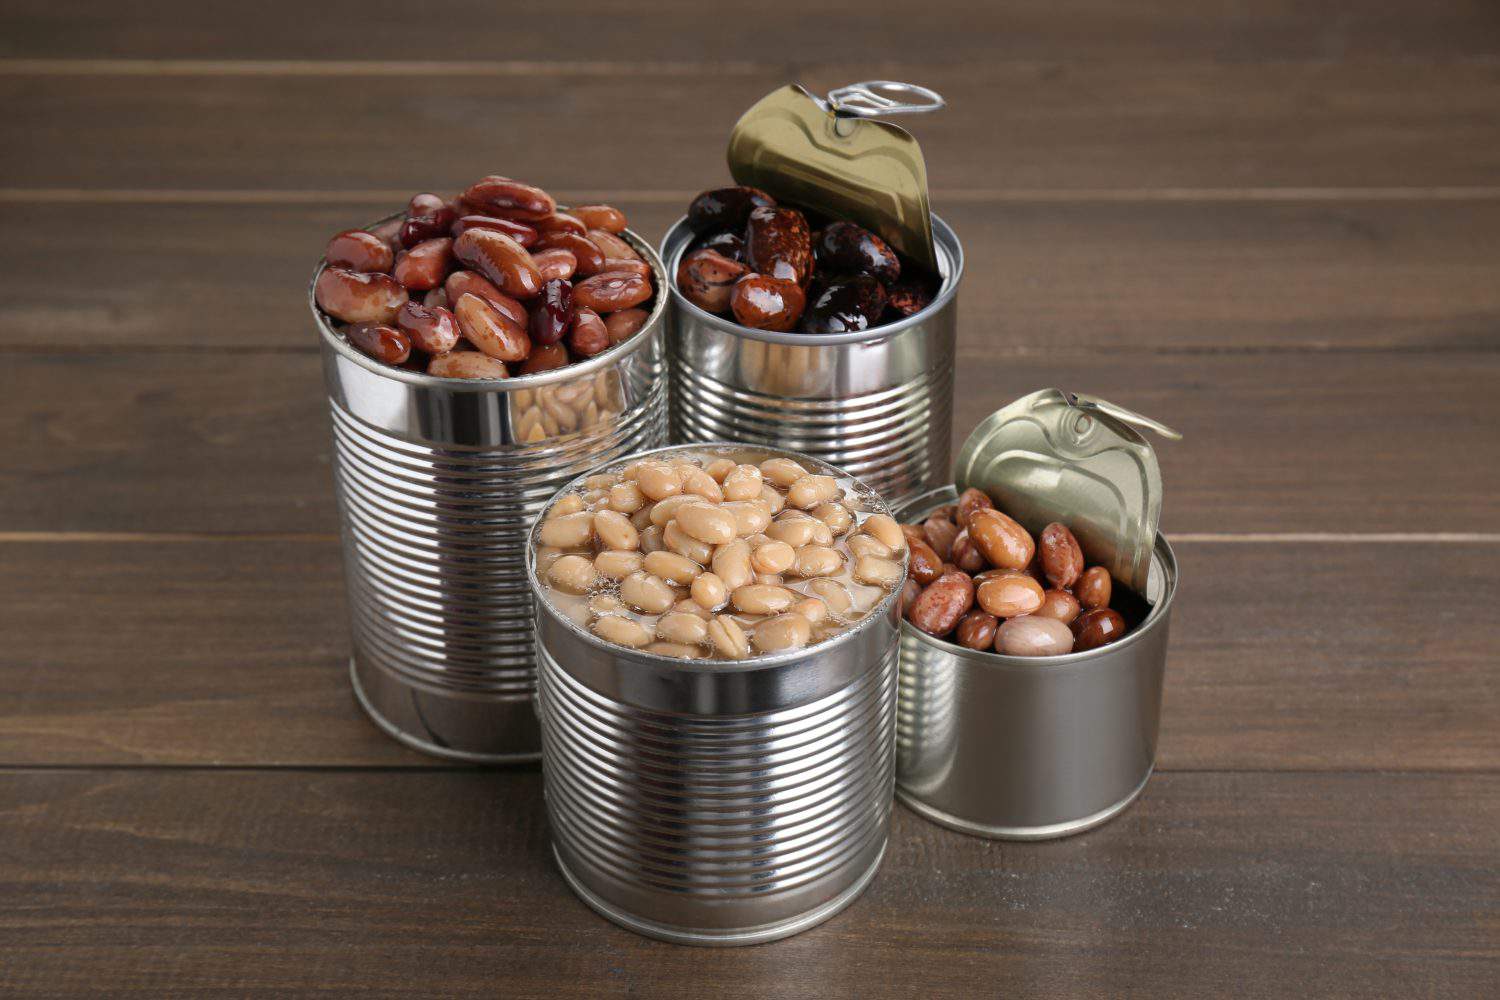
(1130, 417)
(878, 98)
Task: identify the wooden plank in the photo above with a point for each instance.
(1203, 276)
(391, 884)
(1308, 656)
(666, 30)
(1165, 124)
(184, 442)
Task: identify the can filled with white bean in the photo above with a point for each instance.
(718, 721)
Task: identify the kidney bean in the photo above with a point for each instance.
(1033, 636)
(843, 247)
(551, 314)
(544, 359)
(1097, 627)
(976, 630)
(518, 231)
(845, 305)
(914, 533)
(425, 203)
(490, 330)
(941, 604)
(969, 501)
(778, 244)
(381, 342)
(500, 259)
(510, 199)
(555, 264)
(765, 303)
(611, 245)
(1094, 587)
(612, 292)
(1058, 604)
(436, 299)
(966, 555)
(357, 250)
(924, 566)
(1004, 543)
(1010, 596)
(559, 222)
(941, 532)
(465, 364)
(425, 265)
(590, 257)
(625, 324)
(706, 278)
(605, 217)
(731, 245)
(359, 298)
(908, 297)
(909, 591)
(461, 282)
(588, 336)
(431, 329)
(1062, 559)
(726, 208)
(428, 217)
(637, 266)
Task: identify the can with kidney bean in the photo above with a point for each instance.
(459, 405)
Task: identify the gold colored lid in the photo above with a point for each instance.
(1059, 456)
(832, 155)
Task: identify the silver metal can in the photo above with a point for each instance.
(877, 403)
(711, 802)
(438, 481)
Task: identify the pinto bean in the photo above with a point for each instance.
(1094, 588)
(940, 605)
(1062, 558)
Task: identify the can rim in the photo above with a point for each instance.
(600, 361)
(674, 245)
(705, 664)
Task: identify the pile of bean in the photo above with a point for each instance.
(496, 269)
(765, 265)
(717, 555)
(979, 579)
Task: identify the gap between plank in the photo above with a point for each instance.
(376, 67)
(431, 767)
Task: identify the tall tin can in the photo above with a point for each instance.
(438, 481)
(715, 802)
(877, 403)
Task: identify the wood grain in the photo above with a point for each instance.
(1274, 442)
(235, 653)
(1168, 123)
(1210, 276)
(176, 884)
(666, 30)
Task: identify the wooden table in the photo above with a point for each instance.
(1273, 225)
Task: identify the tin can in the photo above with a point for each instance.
(438, 481)
(712, 802)
(876, 403)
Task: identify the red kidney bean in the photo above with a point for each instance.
(765, 303)
(611, 245)
(1062, 559)
(777, 243)
(706, 278)
(465, 364)
(589, 335)
(425, 265)
(726, 208)
(544, 359)
(590, 258)
(381, 342)
(551, 314)
(843, 247)
(490, 330)
(437, 298)
(500, 259)
(427, 218)
(846, 305)
(560, 222)
(357, 250)
(625, 324)
(555, 264)
(460, 282)
(359, 298)
(518, 231)
(510, 199)
(1097, 627)
(611, 292)
(942, 603)
(605, 217)
(430, 329)
(636, 266)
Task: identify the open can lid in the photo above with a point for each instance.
(1059, 456)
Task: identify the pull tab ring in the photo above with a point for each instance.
(878, 98)
(1120, 413)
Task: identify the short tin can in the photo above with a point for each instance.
(438, 481)
(877, 403)
(1030, 748)
(714, 802)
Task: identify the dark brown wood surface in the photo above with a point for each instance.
(1274, 225)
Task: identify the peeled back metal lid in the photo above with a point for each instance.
(832, 155)
(1059, 456)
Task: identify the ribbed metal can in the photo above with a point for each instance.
(718, 802)
(1030, 748)
(877, 403)
(438, 481)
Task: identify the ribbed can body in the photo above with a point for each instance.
(437, 483)
(877, 404)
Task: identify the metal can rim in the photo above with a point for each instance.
(598, 362)
(704, 665)
(674, 245)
